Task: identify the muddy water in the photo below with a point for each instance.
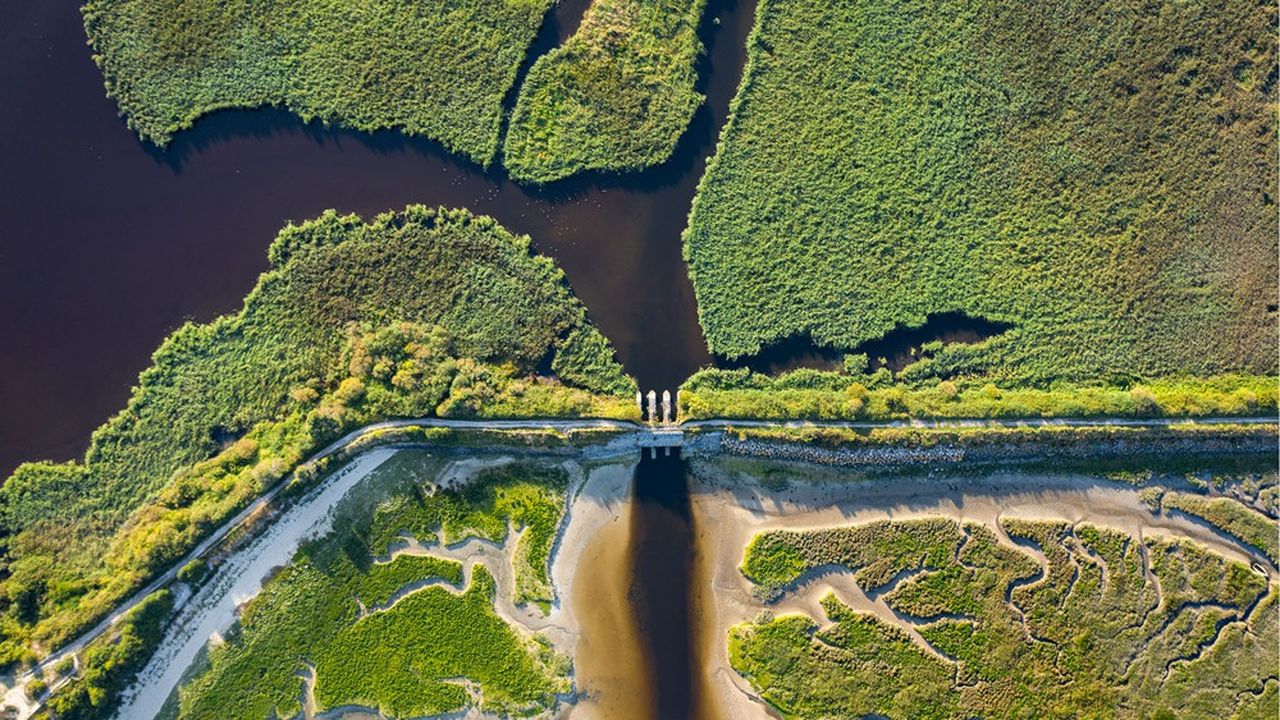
(109, 243)
(638, 598)
(665, 588)
(612, 675)
(732, 500)
(658, 588)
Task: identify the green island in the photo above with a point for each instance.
(437, 69)
(346, 329)
(404, 634)
(1098, 181)
(616, 96)
(1059, 620)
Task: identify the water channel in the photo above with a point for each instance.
(110, 243)
(646, 564)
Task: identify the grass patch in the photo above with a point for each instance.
(616, 96)
(437, 69)
(428, 652)
(877, 551)
(422, 312)
(1096, 176)
(526, 499)
(829, 395)
(1230, 516)
(1091, 636)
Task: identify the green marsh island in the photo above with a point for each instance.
(960, 401)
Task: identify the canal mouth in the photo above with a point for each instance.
(228, 185)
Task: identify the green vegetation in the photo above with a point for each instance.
(1110, 626)
(194, 572)
(1098, 176)
(437, 69)
(416, 313)
(109, 664)
(821, 395)
(616, 96)
(514, 496)
(878, 550)
(397, 632)
(1231, 516)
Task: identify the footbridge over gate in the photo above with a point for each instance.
(660, 417)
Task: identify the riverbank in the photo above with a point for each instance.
(952, 444)
(596, 490)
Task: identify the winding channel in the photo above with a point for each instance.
(115, 243)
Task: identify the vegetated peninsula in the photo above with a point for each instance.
(1098, 176)
(616, 96)
(439, 69)
(415, 313)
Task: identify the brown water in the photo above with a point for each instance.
(609, 663)
(110, 243)
(640, 600)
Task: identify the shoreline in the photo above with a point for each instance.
(594, 496)
(992, 445)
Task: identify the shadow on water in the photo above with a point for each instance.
(112, 243)
(895, 349)
(662, 589)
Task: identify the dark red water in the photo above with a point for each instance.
(109, 244)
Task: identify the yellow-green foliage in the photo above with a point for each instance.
(416, 313)
(398, 634)
(1232, 517)
(439, 69)
(878, 551)
(109, 664)
(616, 96)
(1110, 626)
(1100, 175)
(815, 395)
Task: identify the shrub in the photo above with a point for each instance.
(810, 394)
(194, 572)
(212, 423)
